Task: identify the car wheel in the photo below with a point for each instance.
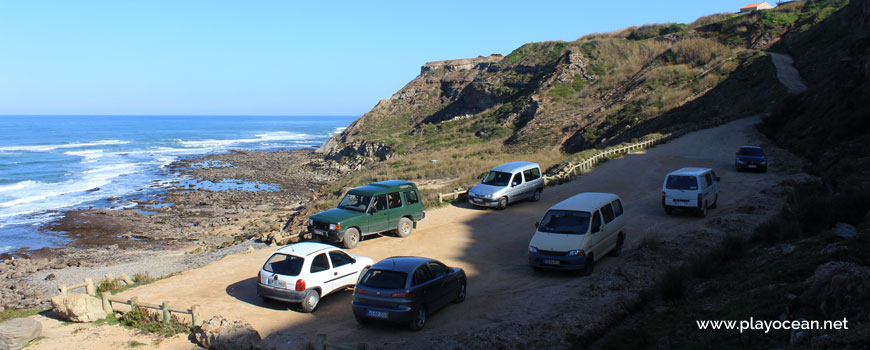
(406, 226)
(702, 212)
(461, 296)
(310, 300)
(589, 266)
(351, 238)
(620, 241)
(537, 196)
(715, 202)
(502, 203)
(669, 210)
(419, 319)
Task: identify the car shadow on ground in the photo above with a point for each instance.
(246, 291)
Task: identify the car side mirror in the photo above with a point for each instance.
(373, 210)
(718, 179)
(537, 224)
(352, 261)
(515, 184)
(596, 229)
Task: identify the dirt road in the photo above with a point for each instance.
(491, 246)
(787, 74)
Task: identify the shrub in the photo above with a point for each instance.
(149, 322)
(142, 277)
(110, 286)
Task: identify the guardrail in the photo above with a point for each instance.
(320, 343)
(166, 308)
(90, 285)
(576, 169)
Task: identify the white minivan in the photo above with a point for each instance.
(508, 183)
(691, 188)
(577, 231)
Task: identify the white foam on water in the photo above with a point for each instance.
(17, 186)
(46, 148)
(269, 136)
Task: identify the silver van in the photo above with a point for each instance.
(506, 184)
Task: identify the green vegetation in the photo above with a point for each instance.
(149, 322)
(117, 286)
(34, 341)
(135, 344)
(7, 315)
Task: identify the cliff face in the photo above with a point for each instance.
(599, 89)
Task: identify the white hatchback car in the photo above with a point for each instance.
(304, 272)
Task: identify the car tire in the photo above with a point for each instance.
(419, 320)
(620, 241)
(588, 267)
(351, 238)
(405, 227)
(537, 196)
(462, 291)
(702, 212)
(310, 300)
(715, 202)
(502, 203)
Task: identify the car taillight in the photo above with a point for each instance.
(699, 200)
(402, 295)
(300, 284)
(359, 290)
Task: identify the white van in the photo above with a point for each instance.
(691, 188)
(508, 183)
(577, 231)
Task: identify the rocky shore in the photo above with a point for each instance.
(221, 200)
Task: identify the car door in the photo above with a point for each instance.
(379, 215)
(446, 287)
(515, 192)
(608, 235)
(396, 209)
(707, 181)
(344, 271)
(321, 274)
(424, 288)
(596, 237)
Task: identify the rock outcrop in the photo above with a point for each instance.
(16, 333)
(222, 334)
(838, 290)
(78, 308)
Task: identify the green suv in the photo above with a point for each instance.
(391, 205)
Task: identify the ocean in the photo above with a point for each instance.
(49, 164)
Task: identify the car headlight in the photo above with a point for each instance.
(763, 162)
(333, 226)
(311, 222)
(488, 195)
(740, 162)
(532, 249)
(576, 252)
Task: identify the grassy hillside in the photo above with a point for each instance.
(552, 101)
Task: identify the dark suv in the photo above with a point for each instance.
(406, 289)
(391, 205)
(751, 158)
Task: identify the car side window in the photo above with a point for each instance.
(421, 275)
(437, 269)
(532, 174)
(709, 179)
(617, 208)
(411, 197)
(319, 263)
(395, 200)
(596, 222)
(607, 210)
(339, 258)
(518, 179)
(381, 202)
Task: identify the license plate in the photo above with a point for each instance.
(320, 232)
(680, 201)
(552, 262)
(476, 200)
(378, 314)
(750, 166)
(277, 283)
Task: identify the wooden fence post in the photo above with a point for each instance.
(165, 308)
(195, 318)
(133, 302)
(107, 305)
(320, 342)
(439, 197)
(89, 287)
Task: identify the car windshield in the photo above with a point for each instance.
(284, 264)
(682, 182)
(383, 279)
(752, 152)
(355, 202)
(496, 178)
(565, 221)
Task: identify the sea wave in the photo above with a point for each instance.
(46, 148)
(17, 186)
(269, 136)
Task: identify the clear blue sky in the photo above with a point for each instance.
(271, 57)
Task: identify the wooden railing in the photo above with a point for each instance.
(90, 285)
(576, 169)
(166, 308)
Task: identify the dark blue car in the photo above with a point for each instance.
(407, 290)
(751, 158)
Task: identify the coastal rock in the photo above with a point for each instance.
(845, 231)
(16, 333)
(78, 308)
(837, 289)
(220, 333)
